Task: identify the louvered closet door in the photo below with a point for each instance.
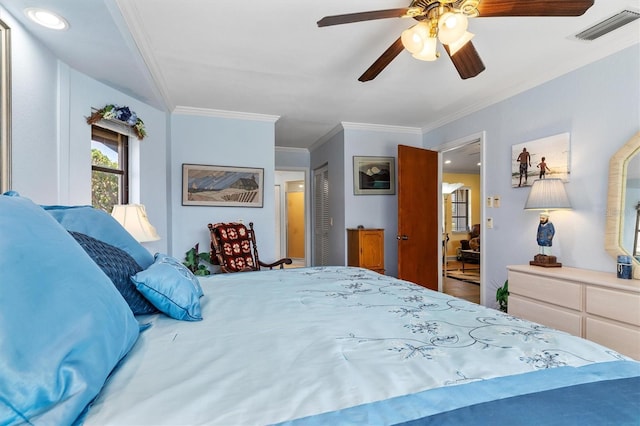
(321, 216)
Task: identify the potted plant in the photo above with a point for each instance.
(502, 295)
(192, 261)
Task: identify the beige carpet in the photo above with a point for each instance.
(469, 275)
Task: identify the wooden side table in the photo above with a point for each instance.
(365, 248)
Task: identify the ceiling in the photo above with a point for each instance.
(462, 159)
(270, 58)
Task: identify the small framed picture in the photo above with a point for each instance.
(540, 159)
(374, 175)
(222, 186)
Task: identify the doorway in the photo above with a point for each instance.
(291, 215)
(461, 163)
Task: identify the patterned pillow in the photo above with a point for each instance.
(236, 246)
(119, 266)
(102, 226)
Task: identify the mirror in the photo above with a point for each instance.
(624, 196)
(5, 111)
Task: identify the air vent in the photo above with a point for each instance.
(608, 25)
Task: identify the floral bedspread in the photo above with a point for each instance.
(284, 344)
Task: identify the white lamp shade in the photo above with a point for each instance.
(448, 188)
(133, 218)
(547, 194)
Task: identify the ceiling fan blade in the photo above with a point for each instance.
(493, 8)
(382, 62)
(362, 16)
(467, 61)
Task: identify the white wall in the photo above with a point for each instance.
(51, 141)
(375, 211)
(291, 158)
(223, 142)
(348, 210)
(600, 106)
(331, 153)
(34, 116)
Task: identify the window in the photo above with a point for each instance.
(460, 210)
(109, 168)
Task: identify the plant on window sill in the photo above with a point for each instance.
(120, 113)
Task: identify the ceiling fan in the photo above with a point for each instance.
(446, 21)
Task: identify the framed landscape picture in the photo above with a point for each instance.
(540, 159)
(222, 186)
(374, 175)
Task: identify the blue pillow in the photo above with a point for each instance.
(180, 268)
(102, 226)
(63, 325)
(171, 287)
(119, 267)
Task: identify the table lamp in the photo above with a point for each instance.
(133, 218)
(545, 195)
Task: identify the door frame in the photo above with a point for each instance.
(307, 212)
(448, 146)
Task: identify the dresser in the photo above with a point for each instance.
(595, 305)
(365, 248)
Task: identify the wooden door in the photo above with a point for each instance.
(295, 225)
(419, 232)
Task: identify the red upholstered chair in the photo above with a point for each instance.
(233, 247)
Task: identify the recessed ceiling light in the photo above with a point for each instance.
(46, 18)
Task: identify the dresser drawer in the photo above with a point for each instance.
(561, 293)
(619, 337)
(617, 305)
(551, 316)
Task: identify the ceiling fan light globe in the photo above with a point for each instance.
(411, 41)
(458, 44)
(413, 38)
(452, 26)
(429, 52)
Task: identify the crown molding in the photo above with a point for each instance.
(218, 113)
(326, 137)
(381, 128)
(291, 149)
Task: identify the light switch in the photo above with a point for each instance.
(496, 201)
(490, 202)
(490, 222)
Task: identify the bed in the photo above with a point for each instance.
(307, 346)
